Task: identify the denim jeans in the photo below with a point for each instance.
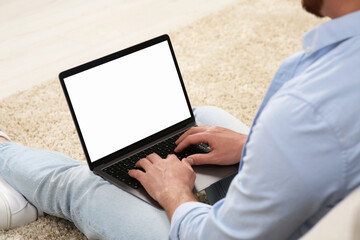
(63, 187)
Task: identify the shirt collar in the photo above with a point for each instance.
(331, 32)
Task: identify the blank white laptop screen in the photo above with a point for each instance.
(126, 100)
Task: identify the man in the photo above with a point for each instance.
(299, 160)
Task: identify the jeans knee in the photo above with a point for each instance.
(207, 110)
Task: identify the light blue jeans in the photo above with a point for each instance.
(63, 187)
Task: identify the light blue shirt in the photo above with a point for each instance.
(302, 155)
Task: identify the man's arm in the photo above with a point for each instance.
(291, 172)
(170, 181)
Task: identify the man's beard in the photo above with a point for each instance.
(313, 6)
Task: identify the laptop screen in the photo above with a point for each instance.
(125, 100)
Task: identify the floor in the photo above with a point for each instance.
(41, 38)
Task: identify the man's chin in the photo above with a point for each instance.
(313, 7)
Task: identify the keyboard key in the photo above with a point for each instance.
(120, 169)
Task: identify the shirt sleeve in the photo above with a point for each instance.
(293, 171)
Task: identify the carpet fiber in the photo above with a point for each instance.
(227, 59)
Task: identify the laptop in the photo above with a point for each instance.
(129, 104)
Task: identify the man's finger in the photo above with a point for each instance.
(187, 163)
(192, 130)
(192, 139)
(144, 164)
(173, 156)
(153, 157)
(201, 159)
(137, 174)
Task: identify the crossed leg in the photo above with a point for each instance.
(63, 187)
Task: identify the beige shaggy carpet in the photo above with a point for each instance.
(227, 59)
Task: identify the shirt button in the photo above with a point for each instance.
(308, 50)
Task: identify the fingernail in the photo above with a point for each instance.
(190, 160)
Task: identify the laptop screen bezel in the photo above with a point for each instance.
(65, 74)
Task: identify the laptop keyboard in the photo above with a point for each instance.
(120, 169)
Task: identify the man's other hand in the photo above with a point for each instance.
(169, 181)
(226, 145)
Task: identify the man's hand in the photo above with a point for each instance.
(169, 181)
(226, 145)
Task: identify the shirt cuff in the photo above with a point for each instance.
(196, 208)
